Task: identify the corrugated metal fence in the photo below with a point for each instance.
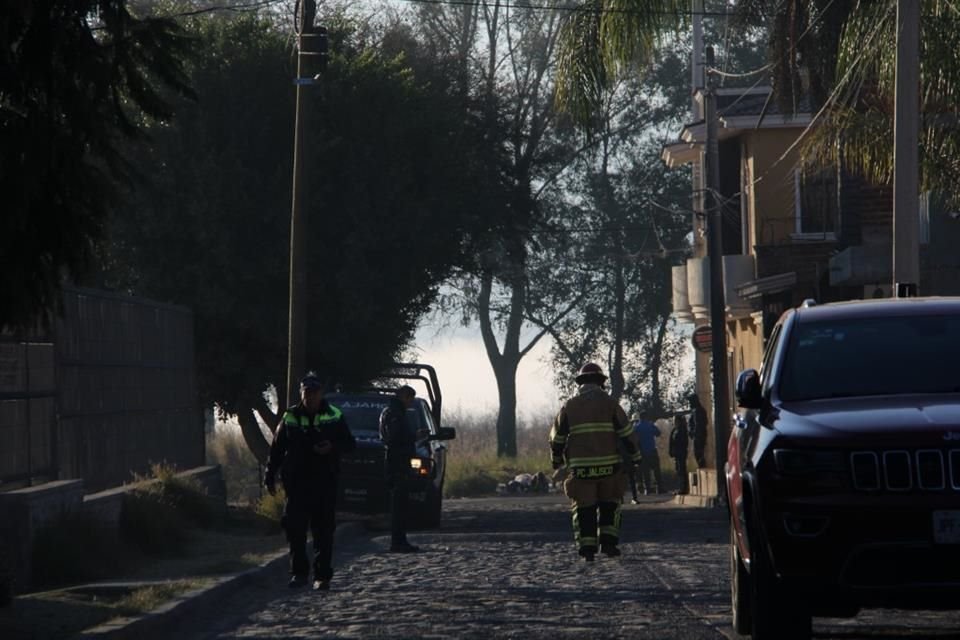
(109, 392)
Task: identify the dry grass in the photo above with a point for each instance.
(473, 468)
(241, 471)
(149, 598)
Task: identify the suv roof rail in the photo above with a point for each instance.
(809, 302)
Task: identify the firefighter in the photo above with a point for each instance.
(584, 439)
(306, 452)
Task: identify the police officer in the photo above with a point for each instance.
(584, 438)
(400, 442)
(678, 451)
(306, 452)
(698, 430)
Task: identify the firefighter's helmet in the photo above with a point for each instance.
(591, 372)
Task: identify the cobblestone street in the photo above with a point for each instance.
(506, 568)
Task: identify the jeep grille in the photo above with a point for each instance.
(901, 470)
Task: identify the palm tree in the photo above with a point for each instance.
(601, 40)
(840, 54)
(834, 56)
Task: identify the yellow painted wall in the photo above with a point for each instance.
(770, 184)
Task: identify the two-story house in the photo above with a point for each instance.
(788, 233)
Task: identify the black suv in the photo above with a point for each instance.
(843, 472)
(362, 479)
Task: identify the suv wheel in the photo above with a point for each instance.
(773, 614)
(739, 588)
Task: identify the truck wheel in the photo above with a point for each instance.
(739, 588)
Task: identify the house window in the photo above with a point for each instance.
(816, 206)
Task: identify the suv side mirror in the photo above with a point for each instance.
(444, 433)
(748, 390)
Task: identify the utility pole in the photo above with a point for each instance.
(906, 124)
(718, 313)
(311, 51)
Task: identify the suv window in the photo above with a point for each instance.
(768, 352)
(872, 356)
(363, 413)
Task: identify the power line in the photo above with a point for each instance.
(249, 7)
(516, 4)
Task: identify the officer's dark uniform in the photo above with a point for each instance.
(399, 439)
(310, 482)
(678, 451)
(698, 430)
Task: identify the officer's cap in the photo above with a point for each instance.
(311, 381)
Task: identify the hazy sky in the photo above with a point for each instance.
(466, 377)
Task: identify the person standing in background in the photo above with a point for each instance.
(647, 434)
(678, 451)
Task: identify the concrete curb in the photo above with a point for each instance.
(165, 620)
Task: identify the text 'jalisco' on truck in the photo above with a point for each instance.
(363, 486)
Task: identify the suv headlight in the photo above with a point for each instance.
(421, 466)
(795, 462)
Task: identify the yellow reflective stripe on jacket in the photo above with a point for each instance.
(557, 438)
(625, 431)
(289, 418)
(591, 427)
(594, 461)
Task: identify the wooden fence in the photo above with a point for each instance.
(109, 391)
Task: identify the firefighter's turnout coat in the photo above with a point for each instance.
(587, 437)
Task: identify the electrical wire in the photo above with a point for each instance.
(515, 4)
(249, 7)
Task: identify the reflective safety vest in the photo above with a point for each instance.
(331, 415)
(586, 432)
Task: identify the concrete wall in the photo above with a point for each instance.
(24, 512)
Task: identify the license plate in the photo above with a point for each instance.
(946, 527)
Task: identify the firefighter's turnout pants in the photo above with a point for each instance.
(596, 508)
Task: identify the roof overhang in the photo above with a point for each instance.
(763, 286)
(678, 154)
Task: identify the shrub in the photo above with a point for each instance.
(241, 471)
(271, 507)
(185, 494)
(152, 523)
